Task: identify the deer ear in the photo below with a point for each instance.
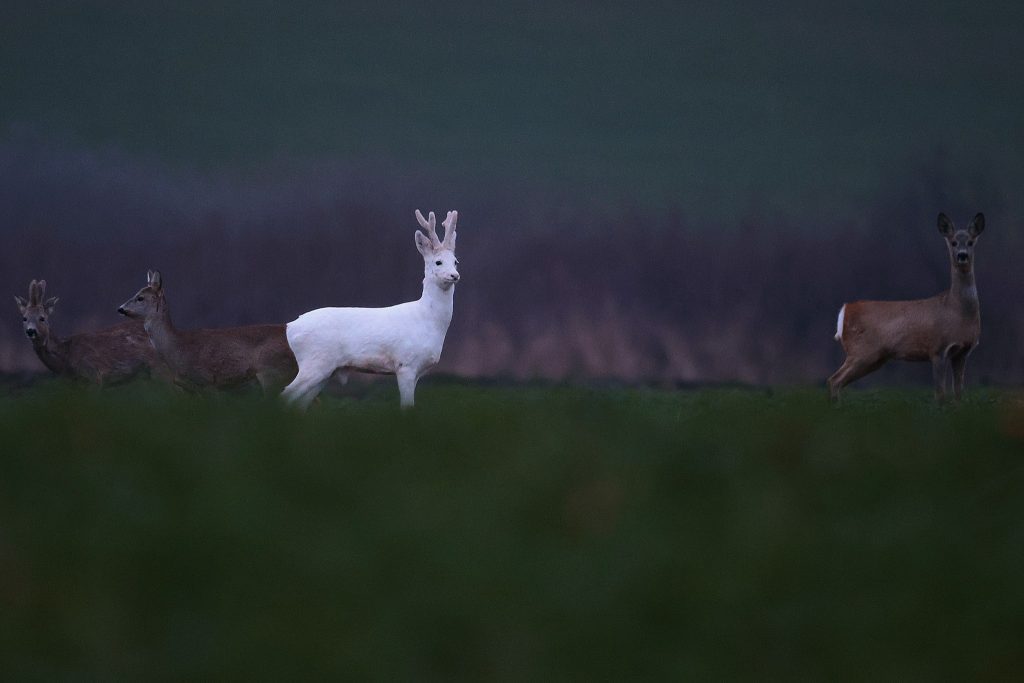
(423, 244)
(154, 280)
(977, 225)
(22, 304)
(946, 225)
(50, 303)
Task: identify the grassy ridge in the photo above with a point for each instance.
(511, 533)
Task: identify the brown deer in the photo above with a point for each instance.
(104, 358)
(943, 329)
(223, 358)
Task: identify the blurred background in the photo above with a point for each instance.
(649, 193)
(666, 193)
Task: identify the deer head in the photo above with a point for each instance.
(961, 242)
(148, 301)
(439, 262)
(35, 313)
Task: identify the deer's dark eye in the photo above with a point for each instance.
(437, 263)
(954, 243)
(24, 320)
(42, 319)
(970, 243)
(139, 298)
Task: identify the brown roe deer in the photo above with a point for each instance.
(105, 357)
(222, 358)
(943, 329)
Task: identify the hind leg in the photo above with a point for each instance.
(852, 369)
(306, 386)
(835, 381)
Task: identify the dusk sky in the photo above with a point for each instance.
(714, 108)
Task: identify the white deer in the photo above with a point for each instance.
(403, 340)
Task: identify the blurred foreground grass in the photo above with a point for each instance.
(511, 533)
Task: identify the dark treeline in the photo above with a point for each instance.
(552, 287)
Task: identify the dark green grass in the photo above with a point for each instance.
(512, 533)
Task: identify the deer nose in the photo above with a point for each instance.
(962, 257)
(121, 310)
(31, 331)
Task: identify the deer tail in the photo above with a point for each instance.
(839, 323)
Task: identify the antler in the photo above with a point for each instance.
(449, 228)
(429, 227)
(36, 290)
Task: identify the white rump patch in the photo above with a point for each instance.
(839, 323)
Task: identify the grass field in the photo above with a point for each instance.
(512, 533)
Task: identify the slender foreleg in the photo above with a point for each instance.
(959, 362)
(407, 386)
(939, 366)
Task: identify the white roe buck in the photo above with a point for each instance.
(105, 357)
(943, 329)
(222, 358)
(403, 340)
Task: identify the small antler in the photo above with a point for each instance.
(36, 290)
(428, 225)
(449, 229)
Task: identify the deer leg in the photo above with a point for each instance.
(186, 386)
(270, 381)
(851, 370)
(407, 386)
(833, 381)
(959, 362)
(939, 364)
(162, 374)
(305, 387)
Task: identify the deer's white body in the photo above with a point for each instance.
(403, 340)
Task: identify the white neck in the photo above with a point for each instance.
(439, 301)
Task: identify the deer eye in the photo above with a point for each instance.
(139, 298)
(437, 263)
(42, 319)
(954, 243)
(970, 243)
(24, 320)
